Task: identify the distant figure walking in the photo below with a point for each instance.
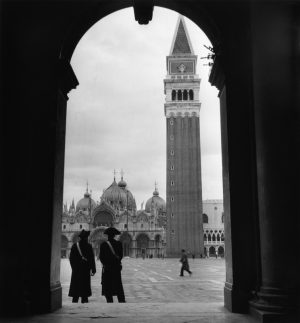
(83, 267)
(185, 263)
(111, 254)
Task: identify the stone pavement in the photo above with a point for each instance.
(154, 293)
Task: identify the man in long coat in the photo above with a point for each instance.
(111, 254)
(83, 267)
(185, 263)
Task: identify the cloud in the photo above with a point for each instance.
(115, 117)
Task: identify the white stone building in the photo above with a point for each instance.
(213, 228)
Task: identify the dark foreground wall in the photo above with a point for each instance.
(257, 72)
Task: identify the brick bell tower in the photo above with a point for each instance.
(182, 108)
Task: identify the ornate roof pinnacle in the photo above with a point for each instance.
(181, 44)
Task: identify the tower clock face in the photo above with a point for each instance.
(181, 68)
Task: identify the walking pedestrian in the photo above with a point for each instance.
(185, 263)
(111, 254)
(83, 267)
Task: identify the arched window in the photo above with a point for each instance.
(218, 237)
(179, 95)
(213, 237)
(185, 95)
(205, 237)
(173, 95)
(191, 95)
(209, 237)
(222, 237)
(205, 218)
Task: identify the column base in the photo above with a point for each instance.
(272, 317)
(274, 305)
(55, 297)
(235, 300)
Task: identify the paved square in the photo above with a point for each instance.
(154, 294)
(157, 280)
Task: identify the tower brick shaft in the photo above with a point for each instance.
(184, 187)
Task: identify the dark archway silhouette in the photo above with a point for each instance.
(248, 68)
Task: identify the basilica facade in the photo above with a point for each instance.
(143, 232)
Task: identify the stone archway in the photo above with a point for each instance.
(211, 28)
(212, 251)
(221, 251)
(126, 240)
(142, 242)
(250, 137)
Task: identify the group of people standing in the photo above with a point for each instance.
(83, 266)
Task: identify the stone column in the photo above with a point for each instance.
(275, 88)
(231, 75)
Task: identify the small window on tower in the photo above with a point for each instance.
(173, 231)
(171, 122)
(173, 95)
(191, 95)
(179, 95)
(172, 167)
(172, 199)
(172, 137)
(172, 183)
(172, 152)
(185, 95)
(172, 215)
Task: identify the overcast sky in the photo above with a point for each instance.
(115, 117)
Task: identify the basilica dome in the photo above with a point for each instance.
(118, 196)
(155, 202)
(85, 203)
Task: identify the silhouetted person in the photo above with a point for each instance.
(185, 263)
(193, 256)
(83, 267)
(111, 254)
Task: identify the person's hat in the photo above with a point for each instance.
(112, 231)
(84, 234)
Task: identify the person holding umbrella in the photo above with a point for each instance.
(111, 254)
(83, 267)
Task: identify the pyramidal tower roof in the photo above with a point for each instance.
(181, 44)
